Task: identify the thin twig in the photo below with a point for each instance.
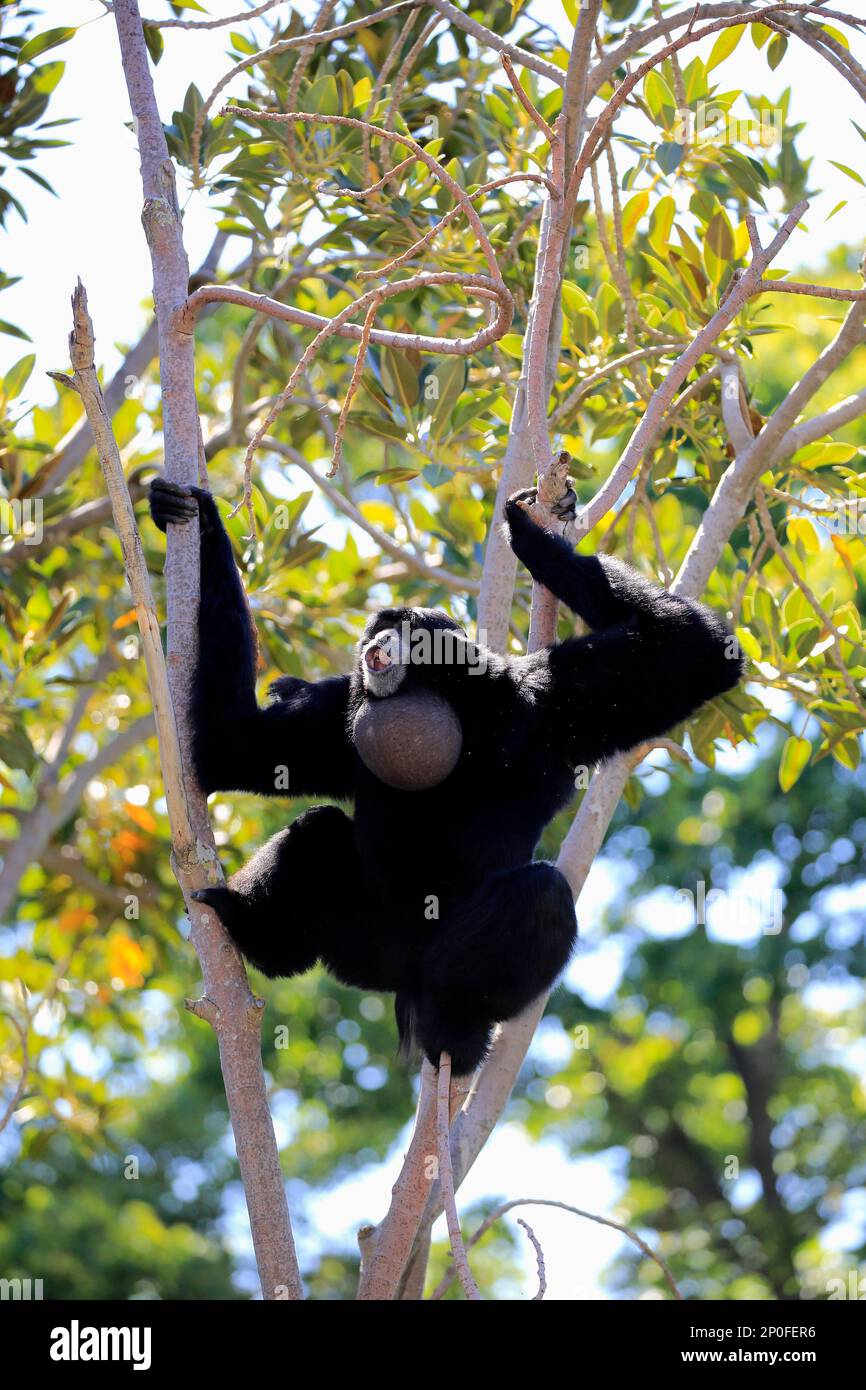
(525, 101)
(337, 453)
(539, 1259)
(502, 1210)
(817, 291)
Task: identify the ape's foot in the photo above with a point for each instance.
(466, 1042)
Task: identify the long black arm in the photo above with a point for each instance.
(651, 660)
(296, 746)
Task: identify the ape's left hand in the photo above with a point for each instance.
(526, 500)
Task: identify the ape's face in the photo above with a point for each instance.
(384, 662)
(399, 639)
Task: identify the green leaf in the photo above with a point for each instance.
(41, 43)
(323, 98)
(777, 50)
(14, 332)
(720, 237)
(512, 344)
(669, 156)
(498, 109)
(725, 45)
(795, 755)
(399, 378)
(17, 376)
(442, 388)
(155, 43)
(852, 174)
(836, 34)
(660, 224)
(760, 34)
(632, 214)
(749, 643)
(658, 96)
(801, 531)
(821, 455)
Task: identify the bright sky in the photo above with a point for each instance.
(93, 231)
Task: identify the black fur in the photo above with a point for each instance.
(433, 895)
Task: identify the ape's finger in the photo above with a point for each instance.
(566, 507)
(168, 488)
(526, 495)
(183, 507)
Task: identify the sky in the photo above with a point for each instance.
(92, 230)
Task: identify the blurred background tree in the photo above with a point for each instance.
(713, 1067)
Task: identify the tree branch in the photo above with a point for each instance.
(225, 982)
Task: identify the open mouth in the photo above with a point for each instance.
(377, 659)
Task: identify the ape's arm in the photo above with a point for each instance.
(651, 660)
(296, 746)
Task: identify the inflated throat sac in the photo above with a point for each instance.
(410, 742)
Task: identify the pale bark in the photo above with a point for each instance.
(228, 1003)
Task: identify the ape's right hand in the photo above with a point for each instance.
(169, 502)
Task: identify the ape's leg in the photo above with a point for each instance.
(301, 898)
(495, 952)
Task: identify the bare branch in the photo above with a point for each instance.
(420, 342)
(446, 1179)
(87, 384)
(734, 411)
(74, 447)
(641, 37)
(817, 291)
(302, 62)
(385, 1249)
(820, 425)
(449, 216)
(225, 981)
(208, 23)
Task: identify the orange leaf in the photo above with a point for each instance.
(124, 620)
(140, 814)
(75, 917)
(126, 960)
(841, 549)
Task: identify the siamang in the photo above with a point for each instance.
(430, 890)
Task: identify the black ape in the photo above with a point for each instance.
(433, 893)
